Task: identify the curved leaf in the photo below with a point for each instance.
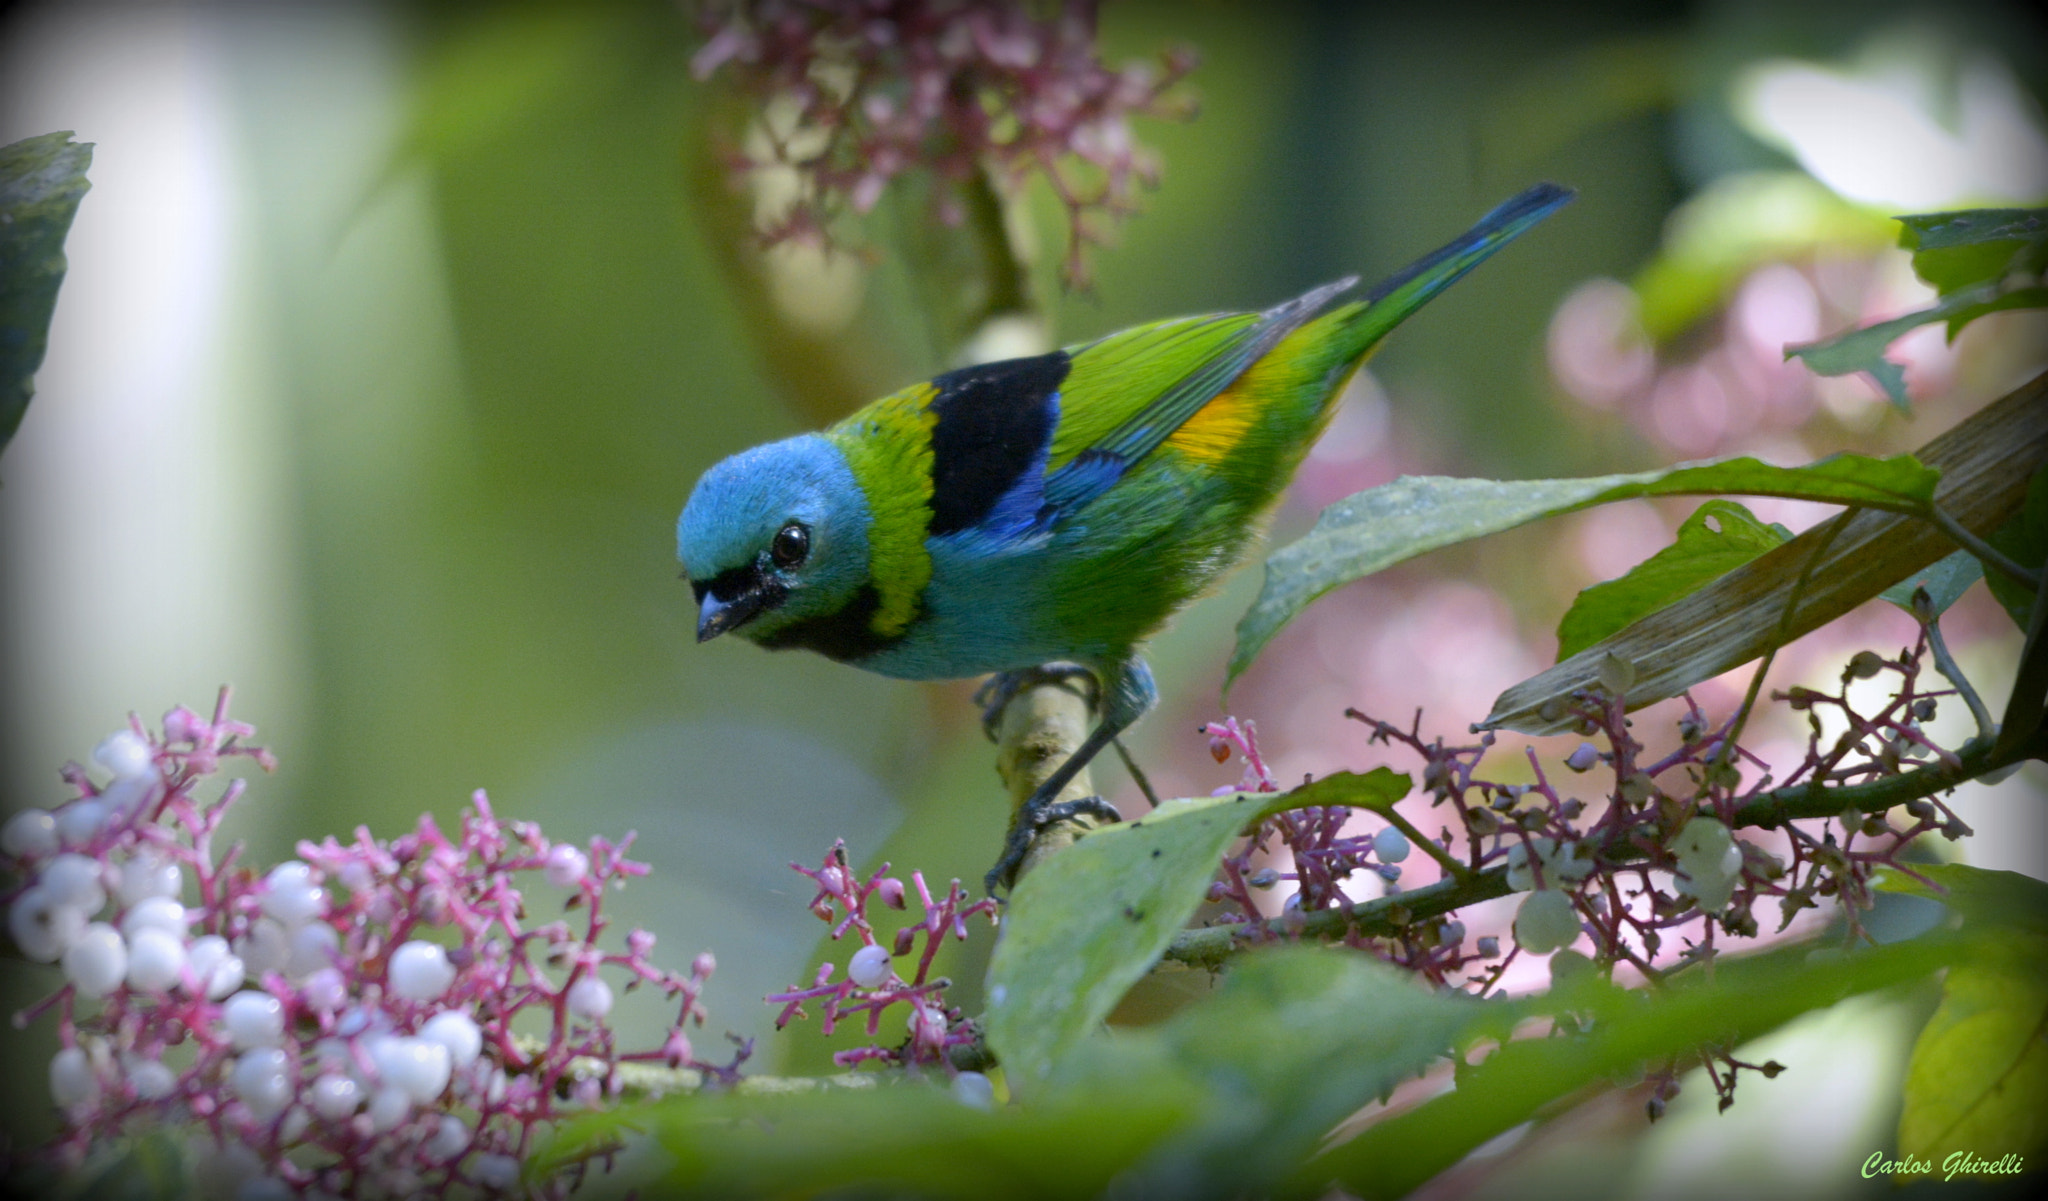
(1746, 997)
(1413, 515)
(1985, 463)
(1298, 1037)
(1863, 349)
(1083, 926)
(1953, 251)
(41, 182)
(1719, 537)
(1945, 581)
(1978, 1078)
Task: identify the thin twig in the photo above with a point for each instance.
(1945, 663)
(1983, 550)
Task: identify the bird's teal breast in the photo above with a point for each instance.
(986, 612)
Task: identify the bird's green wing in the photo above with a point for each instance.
(1128, 393)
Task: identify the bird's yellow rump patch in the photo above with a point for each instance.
(1218, 427)
(888, 446)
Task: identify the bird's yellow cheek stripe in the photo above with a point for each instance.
(888, 447)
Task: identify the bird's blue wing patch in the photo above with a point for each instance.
(1088, 475)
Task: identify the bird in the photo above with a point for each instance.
(1054, 508)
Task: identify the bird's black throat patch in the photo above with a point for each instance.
(846, 636)
(994, 422)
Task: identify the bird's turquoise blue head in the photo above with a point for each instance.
(774, 536)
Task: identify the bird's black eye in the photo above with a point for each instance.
(792, 545)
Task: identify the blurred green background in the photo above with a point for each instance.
(396, 335)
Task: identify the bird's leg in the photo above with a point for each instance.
(1128, 693)
(996, 693)
(1138, 775)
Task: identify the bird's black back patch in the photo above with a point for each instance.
(995, 422)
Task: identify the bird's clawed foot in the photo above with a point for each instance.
(1000, 689)
(1035, 816)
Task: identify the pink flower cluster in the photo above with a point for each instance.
(871, 983)
(1323, 854)
(341, 1024)
(878, 87)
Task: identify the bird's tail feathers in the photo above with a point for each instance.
(1395, 298)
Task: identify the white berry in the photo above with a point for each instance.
(313, 947)
(145, 876)
(254, 1019)
(1390, 845)
(260, 1078)
(1546, 922)
(76, 881)
(451, 1138)
(457, 1032)
(152, 1081)
(96, 960)
(265, 948)
(127, 754)
(155, 913)
(499, 1172)
(417, 1067)
(72, 1080)
(869, 967)
(291, 896)
(156, 960)
(80, 820)
(42, 927)
(325, 990)
(420, 971)
(334, 1097)
(566, 866)
(218, 970)
(388, 1108)
(975, 1089)
(590, 998)
(29, 834)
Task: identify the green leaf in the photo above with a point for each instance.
(2023, 539)
(1954, 251)
(2017, 298)
(1980, 896)
(1296, 1040)
(1985, 464)
(1746, 997)
(1945, 581)
(1396, 522)
(1978, 1078)
(1863, 349)
(1969, 258)
(901, 1139)
(1719, 537)
(41, 182)
(1087, 923)
(1220, 1101)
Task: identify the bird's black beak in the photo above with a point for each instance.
(715, 617)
